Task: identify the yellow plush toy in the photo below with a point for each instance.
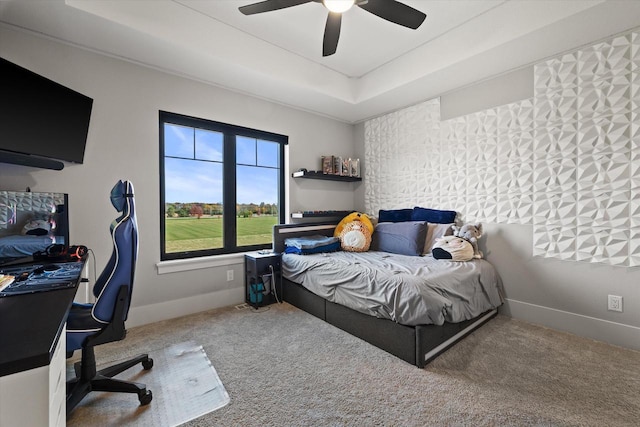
(354, 216)
(355, 237)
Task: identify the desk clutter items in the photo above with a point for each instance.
(38, 277)
(337, 165)
(61, 253)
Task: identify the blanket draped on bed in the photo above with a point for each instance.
(409, 290)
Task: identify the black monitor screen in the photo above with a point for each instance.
(41, 117)
(30, 222)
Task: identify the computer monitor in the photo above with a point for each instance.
(31, 222)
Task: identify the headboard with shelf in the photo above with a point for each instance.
(285, 231)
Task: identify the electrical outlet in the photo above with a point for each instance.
(615, 303)
(229, 275)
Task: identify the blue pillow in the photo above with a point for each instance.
(394, 215)
(403, 238)
(433, 215)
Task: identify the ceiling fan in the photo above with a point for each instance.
(391, 10)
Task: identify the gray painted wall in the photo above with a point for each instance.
(505, 89)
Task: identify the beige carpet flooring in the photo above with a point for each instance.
(284, 367)
(190, 387)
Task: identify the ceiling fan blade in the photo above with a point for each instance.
(395, 12)
(331, 33)
(269, 5)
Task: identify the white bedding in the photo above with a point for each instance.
(410, 290)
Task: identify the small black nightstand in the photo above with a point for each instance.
(263, 279)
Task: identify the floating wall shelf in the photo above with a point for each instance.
(320, 214)
(325, 176)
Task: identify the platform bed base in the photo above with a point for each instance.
(417, 345)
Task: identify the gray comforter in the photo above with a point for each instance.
(409, 290)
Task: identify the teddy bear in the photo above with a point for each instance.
(471, 233)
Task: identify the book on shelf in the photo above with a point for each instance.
(298, 173)
(337, 165)
(327, 164)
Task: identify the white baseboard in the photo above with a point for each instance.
(177, 308)
(590, 327)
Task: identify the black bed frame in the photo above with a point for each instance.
(417, 345)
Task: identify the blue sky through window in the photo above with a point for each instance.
(197, 174)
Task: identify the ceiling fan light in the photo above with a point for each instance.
(338, 6)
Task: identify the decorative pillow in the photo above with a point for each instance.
(453, 248)
(36, 227)
(355, 237)
(352, 217)
(403, 238)
(311, 244)
(433, 215)
(394, 215)
(435, 231)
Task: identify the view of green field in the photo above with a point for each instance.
(191, 233)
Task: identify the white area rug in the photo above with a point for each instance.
(184, 383)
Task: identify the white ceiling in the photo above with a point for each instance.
(378, 66)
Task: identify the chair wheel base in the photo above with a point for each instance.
(147, 364)
(145, 398)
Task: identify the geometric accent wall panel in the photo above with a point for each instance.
(584, 156)
(481, 149)
(452, 179)
(566, 161)
(479, 165)
(555, 157)
(634, 208)
(401, 152)
(604, 152)
(515, 146)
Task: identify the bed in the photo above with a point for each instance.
(412, 307)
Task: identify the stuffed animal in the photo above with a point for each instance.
(355, 237)
(352, 217)
(472, 233)
(453, 248)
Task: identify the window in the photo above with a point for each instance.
(221, 187)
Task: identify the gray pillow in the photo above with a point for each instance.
(403, 238)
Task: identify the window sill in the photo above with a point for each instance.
(178, 265)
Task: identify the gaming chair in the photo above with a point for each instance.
(103, 321)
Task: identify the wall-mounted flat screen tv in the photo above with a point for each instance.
(41, 117)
